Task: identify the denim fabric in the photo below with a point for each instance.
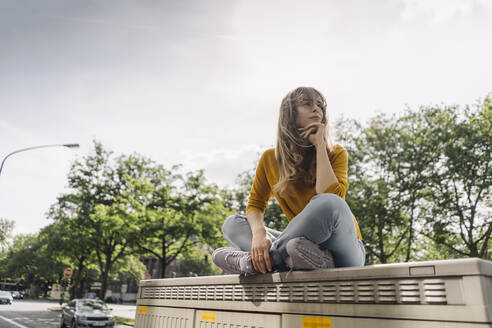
(326, 220)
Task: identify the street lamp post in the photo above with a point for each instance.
(35, 147)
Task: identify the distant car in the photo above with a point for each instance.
(92, 295)
(86, 312)
(17, 295)
(112, 299)
(5, 297)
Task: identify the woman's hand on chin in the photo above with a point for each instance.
(314, 133)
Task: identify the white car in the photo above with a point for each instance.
(17, 295)
(86, 313)
(5, 297)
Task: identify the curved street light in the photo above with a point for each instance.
(74, 145)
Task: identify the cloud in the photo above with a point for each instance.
(12, 131)
(200, 83)
(223, 165)
(439, 11)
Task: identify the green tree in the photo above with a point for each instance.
(460, 196)
(67, 239)
(6, 228)
(422, 175)
(129, 270)
(177, 216)
(28, 262)
(115, 238)
(411, 162)
(97, 208)
(374, 193)
(198, 262)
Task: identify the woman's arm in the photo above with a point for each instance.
(260, 245)
(257, 202)
(325, 176)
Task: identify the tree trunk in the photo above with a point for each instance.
(474, 250)
(104, 285)
(83, 283)
(410, 234)
(77, 285)
(104, 278)
(163, 259)
(382, 256)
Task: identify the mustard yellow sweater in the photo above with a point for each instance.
(298, 194)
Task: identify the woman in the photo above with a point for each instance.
(307, 174)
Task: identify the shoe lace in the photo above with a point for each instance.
(289, 273)
(234, 258)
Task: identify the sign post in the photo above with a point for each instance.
(67, 273)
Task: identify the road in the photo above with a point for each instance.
(36, 314)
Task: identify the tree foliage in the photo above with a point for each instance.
(177, 215)
(128, 205)
(6, 228)
(90, 211)
(460, 194)
(28, 262)
(423, 176)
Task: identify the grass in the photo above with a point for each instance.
(56, 308)
(124, 321)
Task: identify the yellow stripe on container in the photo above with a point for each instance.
(316, 322)
(143, 309)
(209, 316)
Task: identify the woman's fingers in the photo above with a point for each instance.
(268, 262)
(310, 125)
(256, 260)
(253, 259)
(261, 260)
(260, 255)
(312, 132)
(261, 264)
(308, 128)
(306, 133)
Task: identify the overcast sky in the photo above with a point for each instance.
(200, 82)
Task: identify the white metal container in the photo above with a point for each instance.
(450, 293)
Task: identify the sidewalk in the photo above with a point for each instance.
(123, 310)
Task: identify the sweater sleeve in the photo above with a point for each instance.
(339, 163)
(260, 190)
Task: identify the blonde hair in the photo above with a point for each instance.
(296, 160)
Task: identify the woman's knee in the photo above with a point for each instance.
(237, 232)
(328, 203)
(232, 224)
(331, 209)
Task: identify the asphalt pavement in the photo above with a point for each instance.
(36, 314)
(38, 319)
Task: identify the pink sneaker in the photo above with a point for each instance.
(306, 255)
(234, 261)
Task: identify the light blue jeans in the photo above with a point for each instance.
(326, 220)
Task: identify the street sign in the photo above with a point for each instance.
(96, 286)
(67, 273)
